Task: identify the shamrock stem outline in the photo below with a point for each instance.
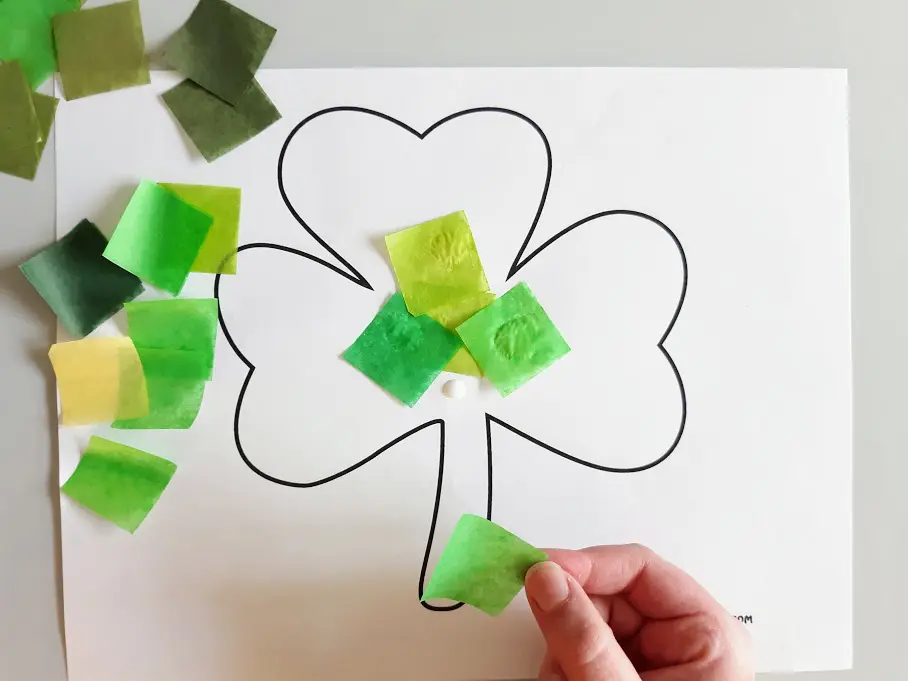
(354, 276)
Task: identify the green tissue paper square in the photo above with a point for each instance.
(118, 483)
(220, 47)
(173, 403)
(159, 237)
(403, 354)
(513, 339)
(24, 161)
(218, 253)
(175, 340)
(482, 565)
(83, 288)
(213, 125)
(183, 330)
(27, 35)
(101, 49)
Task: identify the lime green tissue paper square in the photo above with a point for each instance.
(159, 237)
(438, 268)
(457, 311)
(27, 35)
(463, 363)
(119, 483)
(453, 315)
(220, 47)
(24, 161)
(218, 253)
(482, 565)
(101, 49)
(175, 340)
(213, 125)
(513, 339)
(403, 354)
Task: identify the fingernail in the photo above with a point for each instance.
(547, 585)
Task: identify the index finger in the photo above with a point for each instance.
(653, 586)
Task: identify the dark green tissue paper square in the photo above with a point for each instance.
(81, 286)
(220, 47)
(213, 125)
(403, 354)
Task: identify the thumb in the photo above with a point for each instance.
(579, 640)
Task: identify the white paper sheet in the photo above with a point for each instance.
(236, 577)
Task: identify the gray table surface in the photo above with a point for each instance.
(865, 36)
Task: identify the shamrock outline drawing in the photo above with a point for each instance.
(520, 261)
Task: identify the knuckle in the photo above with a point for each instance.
(711, 634)
(590, 643)
(645, 552)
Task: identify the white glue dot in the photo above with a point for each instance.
(455, 389)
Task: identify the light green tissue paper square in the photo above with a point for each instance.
(158, 237)
(482, 565)
(513, 339)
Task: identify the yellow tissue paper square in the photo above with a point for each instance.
(99, 379)
(218, 252)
